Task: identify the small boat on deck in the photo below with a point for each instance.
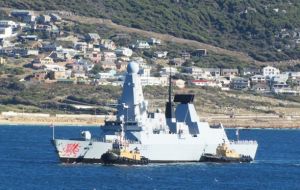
(224, 155)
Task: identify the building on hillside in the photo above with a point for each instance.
(179, 83)
(6, 32)
(123, 51)
(261, 88)
(215, 72)
(106, 75)
(39, 76)
(269, 71)
(94, 37)
(205, 83)
(121, 66)
(185, 55)
(108, 65)
(165, 71)
(239, 83)
(109, 56)
(95, 56)
(283, 89)
(58, 56)
(145, 71)
(107, 44)
(177, 61)
(26, 38)
(45, 19)
(292, 75)
(140, 61)
(154, 81)
(59, 75)
(2, 61)
(247, 71)
(52, 67)
(198, 73)
(81, 46)
(55, 17)
(46, 60)
(154, 41)
(229, 72)
(257, 79)
(199, 52)
(25, 15)
(8, 23)
(279, 79)
(160, 54)
(140, 44)
(87, 64)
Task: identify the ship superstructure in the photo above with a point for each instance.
(174, 136)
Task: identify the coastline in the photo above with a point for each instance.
(238, 121)
(33, 119)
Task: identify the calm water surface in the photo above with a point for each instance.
(28, 161)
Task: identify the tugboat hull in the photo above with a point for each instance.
(224, 159)
(112, 158)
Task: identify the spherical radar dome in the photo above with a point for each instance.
(133, 67)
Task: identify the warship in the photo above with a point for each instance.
(177, 135)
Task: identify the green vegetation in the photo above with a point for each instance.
(59, 98)
(11, 70)
(40, 97)
(256, 27)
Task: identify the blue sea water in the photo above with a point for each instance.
(28, 161)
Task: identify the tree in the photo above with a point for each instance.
(96, 69)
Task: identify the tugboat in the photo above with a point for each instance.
(120, 154)
(225, 154)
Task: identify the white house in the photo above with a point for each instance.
(123, 51)
(203, 82)
(8, 23)
(198, 73)
(107, 44)
(109, 56)
(6, 32)
(81, 46)
(293, 75)
(154, 81)
(48, 67)
(280, 78)
(154, 41)
(269, 71)
(258, 79)
(161, 54)
(142, 45)
(106, 75)
(141, 61)
(145, 72)
(168, 70)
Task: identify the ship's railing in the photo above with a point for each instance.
(111, 141)
(243, 142)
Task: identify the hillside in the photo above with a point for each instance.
(266, 31)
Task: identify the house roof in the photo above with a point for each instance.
(94, 35)
(200, 80)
